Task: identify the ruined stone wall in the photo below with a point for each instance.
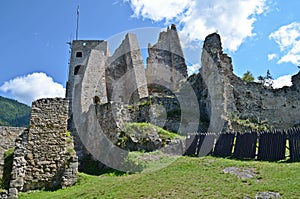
(277, 107)
(44, 154)
(8, 135)
(160, 111)
(165, 63)
(125, 72)
(112, 117)
(230, 97)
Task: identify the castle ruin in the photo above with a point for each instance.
(104, 90)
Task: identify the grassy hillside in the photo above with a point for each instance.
(13, 113)
(186, 177)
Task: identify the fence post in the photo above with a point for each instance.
(191, 143)
(206, 144)
(224, 144)
(294, 144)
(272, 145)
(245, 147)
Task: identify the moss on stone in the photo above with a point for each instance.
(145, 127)
(251, 124)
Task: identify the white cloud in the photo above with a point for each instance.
(158, 10)
(193, 69)
(282, 81)
(288, 39)
(272, 56)
(31, 87)
(232, 19)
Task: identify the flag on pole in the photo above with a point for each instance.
(77, 23)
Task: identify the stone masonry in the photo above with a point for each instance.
(95, 77)
(228, 96)
(104, 92)
(8, 136)
(44, 154)
(98, 80)
(166, 64)
(125, 72)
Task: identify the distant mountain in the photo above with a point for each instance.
(13, 113)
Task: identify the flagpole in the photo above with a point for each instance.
(77, 23)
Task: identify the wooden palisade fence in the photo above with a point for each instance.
(266, 145)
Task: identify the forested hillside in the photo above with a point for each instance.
(13, 113)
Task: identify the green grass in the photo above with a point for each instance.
(185, 177)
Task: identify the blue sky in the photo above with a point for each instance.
(257, 34)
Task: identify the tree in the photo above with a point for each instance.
(261, 79)
(248, 77)
(268, 80)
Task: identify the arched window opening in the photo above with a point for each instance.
(77, 70)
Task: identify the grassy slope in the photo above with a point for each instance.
(186, 177)
(13, 113)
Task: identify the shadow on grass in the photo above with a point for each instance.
(96, 168)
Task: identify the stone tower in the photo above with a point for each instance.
(125, 72)
(95, 77)
(166, 63)
(87, 56)
(87, 63)
(100, 76)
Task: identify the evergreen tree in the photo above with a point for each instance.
(268, 80)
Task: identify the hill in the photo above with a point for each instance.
(13, 113)
(186, 177)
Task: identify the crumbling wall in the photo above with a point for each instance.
(8, 135)
(44, 154)
(230, 97)
(125, 72)
(276, 107)
(166, 64)
(161, 111)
